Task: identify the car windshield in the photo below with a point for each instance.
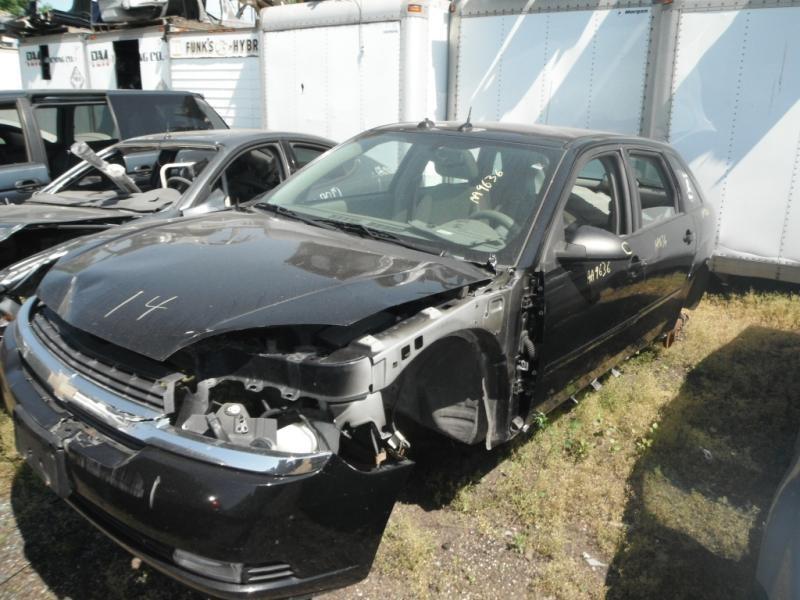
(161, 173)
(458, 194)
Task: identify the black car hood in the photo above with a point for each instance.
(15, 217)
(160, 289)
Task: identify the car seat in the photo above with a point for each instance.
(448, 201)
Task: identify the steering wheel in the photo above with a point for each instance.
(181, 181)
(495, 218)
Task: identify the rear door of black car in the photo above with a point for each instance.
(23, 169)
(664, 237)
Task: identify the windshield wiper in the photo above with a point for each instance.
(382, 236)
(291, 214)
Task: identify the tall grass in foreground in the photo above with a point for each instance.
(665, 474)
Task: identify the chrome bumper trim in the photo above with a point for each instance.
(141, 423)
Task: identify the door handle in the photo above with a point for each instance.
(688, 238)
(635, 269)
(26, 184)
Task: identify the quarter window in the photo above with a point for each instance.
(595, 197)
(656, 197)
(686, 183)
(12, 138)
(305, 154)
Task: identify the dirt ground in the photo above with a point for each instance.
(655, 486)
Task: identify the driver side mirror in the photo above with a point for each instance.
(589, 243)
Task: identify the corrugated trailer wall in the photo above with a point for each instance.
(318, 81)
(719, 79)
(735, 116)
(335, 69)
(560, 63)
(224, 67)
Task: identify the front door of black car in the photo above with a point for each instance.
(20, 173)
(591, 304)
(664, 236)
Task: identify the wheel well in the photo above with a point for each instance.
(446, 387)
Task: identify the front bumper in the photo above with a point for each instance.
(291, 535)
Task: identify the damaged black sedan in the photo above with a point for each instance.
(223, 395)
(163, 175)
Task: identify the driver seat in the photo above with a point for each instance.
(449, 201)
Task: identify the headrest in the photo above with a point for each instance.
(459, 164)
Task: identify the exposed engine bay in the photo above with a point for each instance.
(311, 389)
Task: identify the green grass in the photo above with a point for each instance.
(664, 475)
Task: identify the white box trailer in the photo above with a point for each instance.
(128, 59)
(9, 64)
(729, 101)
(225, 68)
(54, 62)
(719, 79)
(551, 62)
(337, 68)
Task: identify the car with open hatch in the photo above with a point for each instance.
(225, 395)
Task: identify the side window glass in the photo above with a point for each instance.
(47, 119)
(12, 138)
(93, 123)
(253, 173)
(656, 197)
(305, 154)
(595, 197)
(691, 197)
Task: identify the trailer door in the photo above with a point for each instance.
(333, 81)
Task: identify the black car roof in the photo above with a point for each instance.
(523, 133)
(227, 137)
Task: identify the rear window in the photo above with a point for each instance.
(143, 114)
